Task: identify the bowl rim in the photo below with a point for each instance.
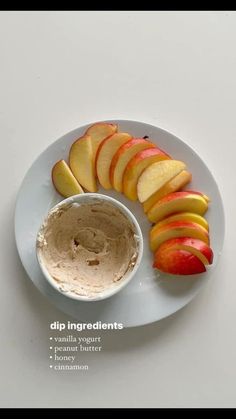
(90, 196)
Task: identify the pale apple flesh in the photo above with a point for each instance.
(159, 235)
(82, 164)
(182, 201)
(195, 246)
(122, 157)
(156, 176)
(98, 132)
(178, 262)
(185, 216)
(136, 166)
(64, 181)
(105, 154)
(175, 184)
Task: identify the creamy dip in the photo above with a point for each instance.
(87, 248)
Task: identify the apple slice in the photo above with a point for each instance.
(122, 157)
(64, 180)
(81, 163)
(105, 154)
(178, 182)
(178, 262)
(136, 166)
(159, 235)
(98, 132)
(194, 246)
(185, 216)
(177, 202)
(201, 194)
(156, 175)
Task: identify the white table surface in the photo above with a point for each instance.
(176, 70)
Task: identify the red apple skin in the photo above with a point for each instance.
(122, 149)
(174, 185)
(146, 153)
(175, 195)
(182, 201)
(188, 241)
(180, 227)
(133, 171)
(178, 262)
(200, 193)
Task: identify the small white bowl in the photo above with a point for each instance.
(89, 198)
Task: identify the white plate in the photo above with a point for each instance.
(150, 296)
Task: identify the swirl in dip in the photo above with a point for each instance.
(87, 248)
